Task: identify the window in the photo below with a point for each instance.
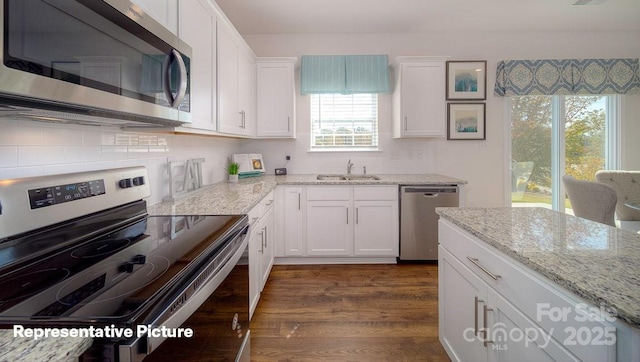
(344, 121)
(556, 135)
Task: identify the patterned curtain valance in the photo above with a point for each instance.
(344, 74)
(567, 76)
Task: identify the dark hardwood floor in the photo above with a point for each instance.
(348, 313)
(336, 313)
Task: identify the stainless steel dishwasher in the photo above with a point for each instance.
(419, 221)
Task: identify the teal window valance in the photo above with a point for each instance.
(567, 76)
(344, 74)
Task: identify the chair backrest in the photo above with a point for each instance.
(627, 186)
(591, 200)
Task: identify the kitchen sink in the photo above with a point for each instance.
(347, 177)
(331, 177)
(363, 177)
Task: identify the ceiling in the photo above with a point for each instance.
(421, 16)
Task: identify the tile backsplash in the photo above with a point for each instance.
(37, 148)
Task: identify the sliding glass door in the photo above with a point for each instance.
(556, 135)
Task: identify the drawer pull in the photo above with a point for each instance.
(487, 341)
(475, 314)
(476, 263)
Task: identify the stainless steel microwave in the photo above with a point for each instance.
(91, 62)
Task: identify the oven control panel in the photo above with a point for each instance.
(47, 196)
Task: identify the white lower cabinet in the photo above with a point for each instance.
(338, 221)
(329, 230)
(492, 309)
(261, 248)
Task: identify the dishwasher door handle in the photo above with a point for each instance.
(431, 195)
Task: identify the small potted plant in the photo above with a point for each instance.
(232, 170)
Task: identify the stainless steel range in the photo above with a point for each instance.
(79, 253)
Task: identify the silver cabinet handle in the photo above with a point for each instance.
(357, 218)
(475, 314)
(288, 124)
(242, 119)
(261, 251)
(347, 215)
(299, 201)
(405, 123)
(487, 341)
(269, 203)
(476, 263)
(264, 240)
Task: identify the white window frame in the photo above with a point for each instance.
(316, 106)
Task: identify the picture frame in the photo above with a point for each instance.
(466, 80)
(466, 121)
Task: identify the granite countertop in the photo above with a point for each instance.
(595, 261)
(45, 349)
(239, 198)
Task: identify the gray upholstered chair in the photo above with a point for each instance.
(591, 200)
(627, 186)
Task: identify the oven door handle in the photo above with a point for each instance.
(188, 301)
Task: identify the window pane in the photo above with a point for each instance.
(344, 121)
(531, 125)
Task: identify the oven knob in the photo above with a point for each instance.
(139, 259)
(126, 267)
(125, 183)
(138, 181)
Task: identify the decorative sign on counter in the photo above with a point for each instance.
(184, 177)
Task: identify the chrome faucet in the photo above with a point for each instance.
(349, 165)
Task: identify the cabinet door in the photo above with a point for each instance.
(376, 228)
(163, 11)
(246, 93)
(198, 29)
(255, 244)
(293, 235)
(229, 118)
(329, 230)
(266, 252)
(462, 297)
(275, 105)
(508, 339)
(422, 99)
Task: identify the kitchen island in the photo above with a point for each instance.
(554, 273)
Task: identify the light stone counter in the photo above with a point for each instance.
(238, 198)
(595, 261)
(46, 349)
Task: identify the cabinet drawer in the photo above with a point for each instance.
(329, 193)
(570, 320)
(375, 193)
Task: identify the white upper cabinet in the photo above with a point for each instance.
(163, 11)
(198, 30)
(236, 83)
(419, 97)
(275, 103)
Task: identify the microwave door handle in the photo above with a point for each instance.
(182, 89)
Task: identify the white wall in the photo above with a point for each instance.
(481, 163)
(38, 148)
